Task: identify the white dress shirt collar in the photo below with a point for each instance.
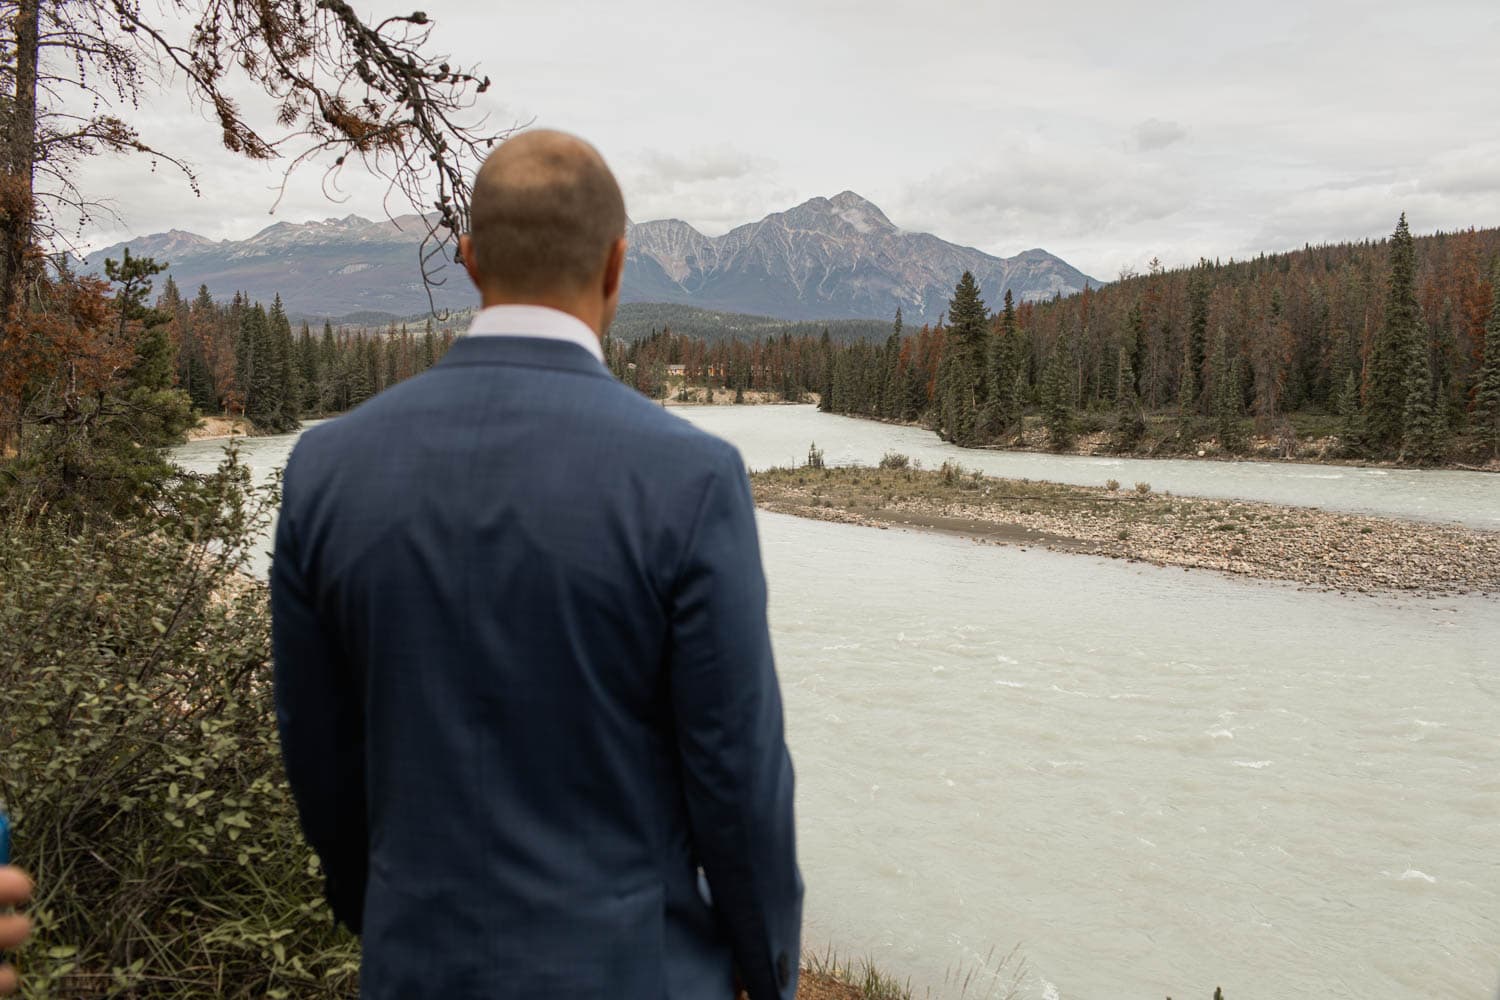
(543, 322)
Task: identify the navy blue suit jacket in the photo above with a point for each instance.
(525, 689)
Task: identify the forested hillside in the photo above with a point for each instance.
(1297, 326)
(1386, 339)
(637, 320)
(243, 358)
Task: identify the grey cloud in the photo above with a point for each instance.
(703, 166)
(715, 189)
(1452, 189)
(1154, 133)
(1045, 191)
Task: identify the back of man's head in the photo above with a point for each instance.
(545, 213)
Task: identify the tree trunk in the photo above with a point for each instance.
(17, 202)
(17, 199)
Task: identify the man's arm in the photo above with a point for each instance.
(320, 716)
(737, 771)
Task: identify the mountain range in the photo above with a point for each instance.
(827, 258)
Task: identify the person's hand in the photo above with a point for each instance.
(15, 889)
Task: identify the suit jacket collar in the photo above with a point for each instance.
(525, 352)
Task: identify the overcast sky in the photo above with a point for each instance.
(1106, 133)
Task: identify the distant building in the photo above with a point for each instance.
(676, 369)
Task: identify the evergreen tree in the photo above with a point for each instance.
(1487, 395)
(1136, 323)
(825, 384)
(285, 371)
(1057, 409)
(330, 371)
(309, 376)
(965, 358)
(393, 363)
(1228, 396)
(1349, 411)
(892, 387)
(247, 343)
(1003, 407)
(1197, 351)
(360, 385)
(158, 413)
(1423, 443)
(1187, 387)
(1391, 361)
(1130, 421)
(202, 378)
(374, 369)
(914, 398)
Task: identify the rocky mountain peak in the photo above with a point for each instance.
(860, 213)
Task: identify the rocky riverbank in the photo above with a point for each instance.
(212, 428)
(1316, 548)
(698, 396)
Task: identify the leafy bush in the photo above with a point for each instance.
(895, 460)
(1144, 489)
(138, 758)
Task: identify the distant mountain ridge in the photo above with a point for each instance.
(827, 258)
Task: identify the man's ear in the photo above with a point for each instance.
(466, 254)
(614, 269)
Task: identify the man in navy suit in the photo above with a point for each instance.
(523, 677)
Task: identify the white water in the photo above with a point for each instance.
(1153, 782)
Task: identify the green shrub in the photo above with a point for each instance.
(894, 460)
(139, 760)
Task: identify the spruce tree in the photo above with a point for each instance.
(1137, 323)
(1487, 394)
(287, 374)
(158, 411)
(1130, 422)
(1057, 404)
(1003, 406)
(1391, 361)
(891, 387)
(1187, 387)
(1228, 401)
(1350, 413)
(258, 370)
(330, 372)
(1423, 443)
(307, 369)
(825, 383)
(914, 397)
(1197, 351)
(966, 354)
